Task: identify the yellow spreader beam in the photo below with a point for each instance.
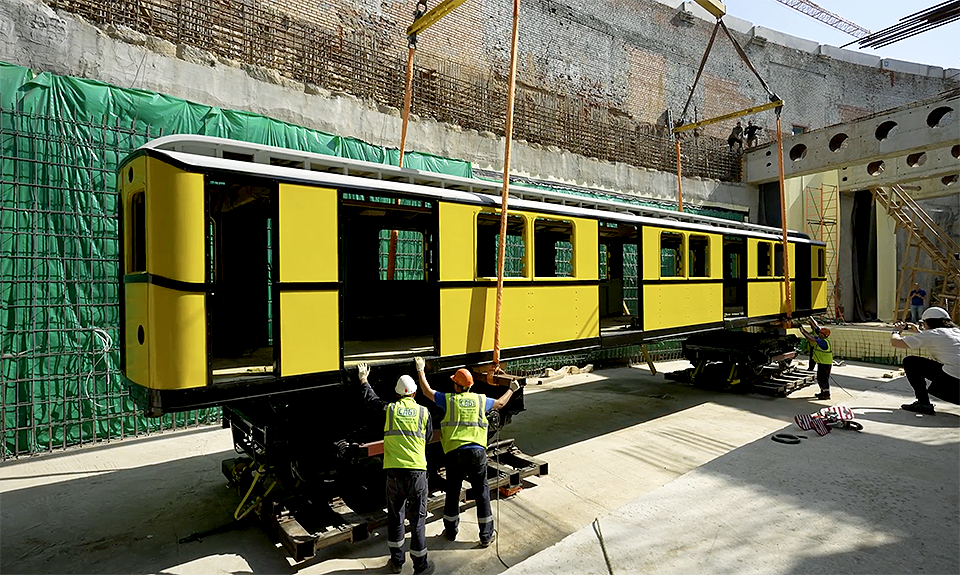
(433, 16)
(752, 110)
(714, 7)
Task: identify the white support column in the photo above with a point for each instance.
(887, 265)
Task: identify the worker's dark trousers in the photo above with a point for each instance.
(920, 369)
(469, 464)
(407, 492)
(823, 375)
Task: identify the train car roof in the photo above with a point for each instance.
(207, 153)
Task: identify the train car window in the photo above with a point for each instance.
(401, 255)
(699, 259)
(778, 259)
(553, 248)
(488, 236)
(138, 234)
(821, 264)
(763, 259)
(671, 255)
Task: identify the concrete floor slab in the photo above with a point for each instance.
(673, 478)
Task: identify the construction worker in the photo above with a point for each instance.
(751, 132)
(463, 435)
(736, 138)
(406, 430)
(941, 339)
(822, 354)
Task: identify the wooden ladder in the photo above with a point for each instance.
(923, 236)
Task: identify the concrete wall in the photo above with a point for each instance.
(638, 58)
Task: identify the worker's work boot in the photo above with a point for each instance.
(825, 394)
(917, 407)
(394, 566)
(429, 568)
(489, 541)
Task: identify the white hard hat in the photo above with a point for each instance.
(935, 313)
(406, 385)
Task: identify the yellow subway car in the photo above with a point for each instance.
(250, 271)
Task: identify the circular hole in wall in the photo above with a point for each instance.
(798, 152)
(875, 168)
(954, 151)
(768, 153)
(938, 118)
(885, 129)
(917, 160)
(768, 165)
(838, 142)
(140, 334)
(950, 180)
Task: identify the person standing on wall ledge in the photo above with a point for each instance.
(463, 435)
(736, 138)
(941, 338)
(406, 431)
(917, 302)
(821, 352)
(751, 133)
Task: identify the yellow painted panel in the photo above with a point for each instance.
(768, 297)
(819, 294)
(586, 252)
(716, 256)
(531, 316)
(651, 252)
(309, 332)
(136, 310)
(175, 223)
(458, 253)
(681, 303)
(308, 234)
(176, 339)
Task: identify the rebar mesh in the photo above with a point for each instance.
(357, 62)
(59, 282)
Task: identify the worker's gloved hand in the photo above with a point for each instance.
(363, 370)
(421, 365)
(514, 386)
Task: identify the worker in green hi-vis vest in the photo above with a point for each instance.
(463, 435)
(821, 352)
(406, 430)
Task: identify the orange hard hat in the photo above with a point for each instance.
(463, 378)
(824, 332)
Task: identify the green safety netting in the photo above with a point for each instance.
(61, 139)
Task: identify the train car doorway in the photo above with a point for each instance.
(734, 276)
(804, 275)
(239, 272)
(619, 270)
(390, 294)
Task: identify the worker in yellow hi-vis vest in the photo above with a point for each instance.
(821, 352)
(463, 435)
(406, 430)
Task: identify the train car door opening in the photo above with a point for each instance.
(619, 296)
(803, 274)
(239, 260)
(390, 293)
(734, 276)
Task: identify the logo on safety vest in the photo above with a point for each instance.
(466, 402)
(407, 412)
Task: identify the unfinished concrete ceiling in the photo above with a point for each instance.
(916, 146)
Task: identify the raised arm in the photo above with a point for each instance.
(503, 399)
(424, 384)
(896, 339)
(807, 335)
